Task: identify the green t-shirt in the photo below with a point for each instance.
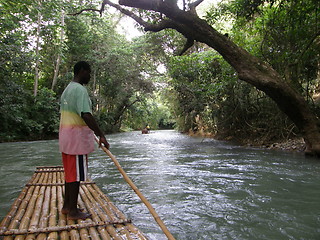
(75, 137)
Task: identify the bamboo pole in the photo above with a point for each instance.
(137, 191)
(50, 177)
(53, 211)
(99, 199)
(90, 232)
(46, 167)
(34, 222)
(53, 170)
(45, 209)
(74, 234)
(117, 213)
(112, 211)
(14, 224)
(35, 178)
(93, 233)
(64, 235)
(13, 219)
(15, 206)
(23, 207)
(101, 230)
(25, 221)
(84, 235)
(98, 215)
(37, 214)
(60, 179)
(41, 179)
(59, 228)
(55, 184)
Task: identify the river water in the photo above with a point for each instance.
(201, 188)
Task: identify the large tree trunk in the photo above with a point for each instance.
(261, 75)
(249, 68)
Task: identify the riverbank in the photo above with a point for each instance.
(293, 144)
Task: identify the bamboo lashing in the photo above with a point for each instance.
(45, 171)
(48, 167)
(55, 184)
(137, 191)
(62, 228)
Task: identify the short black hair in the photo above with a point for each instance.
(81, 65)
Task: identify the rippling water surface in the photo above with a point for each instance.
(201, 188)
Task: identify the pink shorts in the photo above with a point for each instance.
(75, 167)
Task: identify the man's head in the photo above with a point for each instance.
(82, 72)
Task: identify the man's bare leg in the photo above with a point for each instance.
(65, 208)
(70, 207)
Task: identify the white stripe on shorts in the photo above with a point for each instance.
(81, 164)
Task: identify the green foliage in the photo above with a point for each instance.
(127, 87)
(45, 111)
(26, 117)
(152, 112)
(208, 98)
(283, 33)
(23, 116)
(199, 80)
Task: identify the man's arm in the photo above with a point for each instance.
(92, 124)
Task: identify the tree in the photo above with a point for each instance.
(122, 72)
(167, 14)
(57, 64)
(284, 34)
(209, 99)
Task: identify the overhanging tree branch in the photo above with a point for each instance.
(163, 24)
(187, 45)
(249, 68)
(123, 108)
(85, 10)
(154, 5)
(195, 4)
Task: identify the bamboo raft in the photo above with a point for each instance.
(36, 214)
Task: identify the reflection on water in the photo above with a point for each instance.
(201, 188)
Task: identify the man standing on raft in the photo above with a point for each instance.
(76, 137)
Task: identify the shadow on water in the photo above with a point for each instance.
(201, 188)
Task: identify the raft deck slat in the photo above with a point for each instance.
(36, 214)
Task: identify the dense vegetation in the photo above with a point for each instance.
(199, 90)
(211, 98)
(123, 77)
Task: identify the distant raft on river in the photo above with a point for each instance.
(36, 214)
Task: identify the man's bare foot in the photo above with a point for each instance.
(66, 210)
(79, 215)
